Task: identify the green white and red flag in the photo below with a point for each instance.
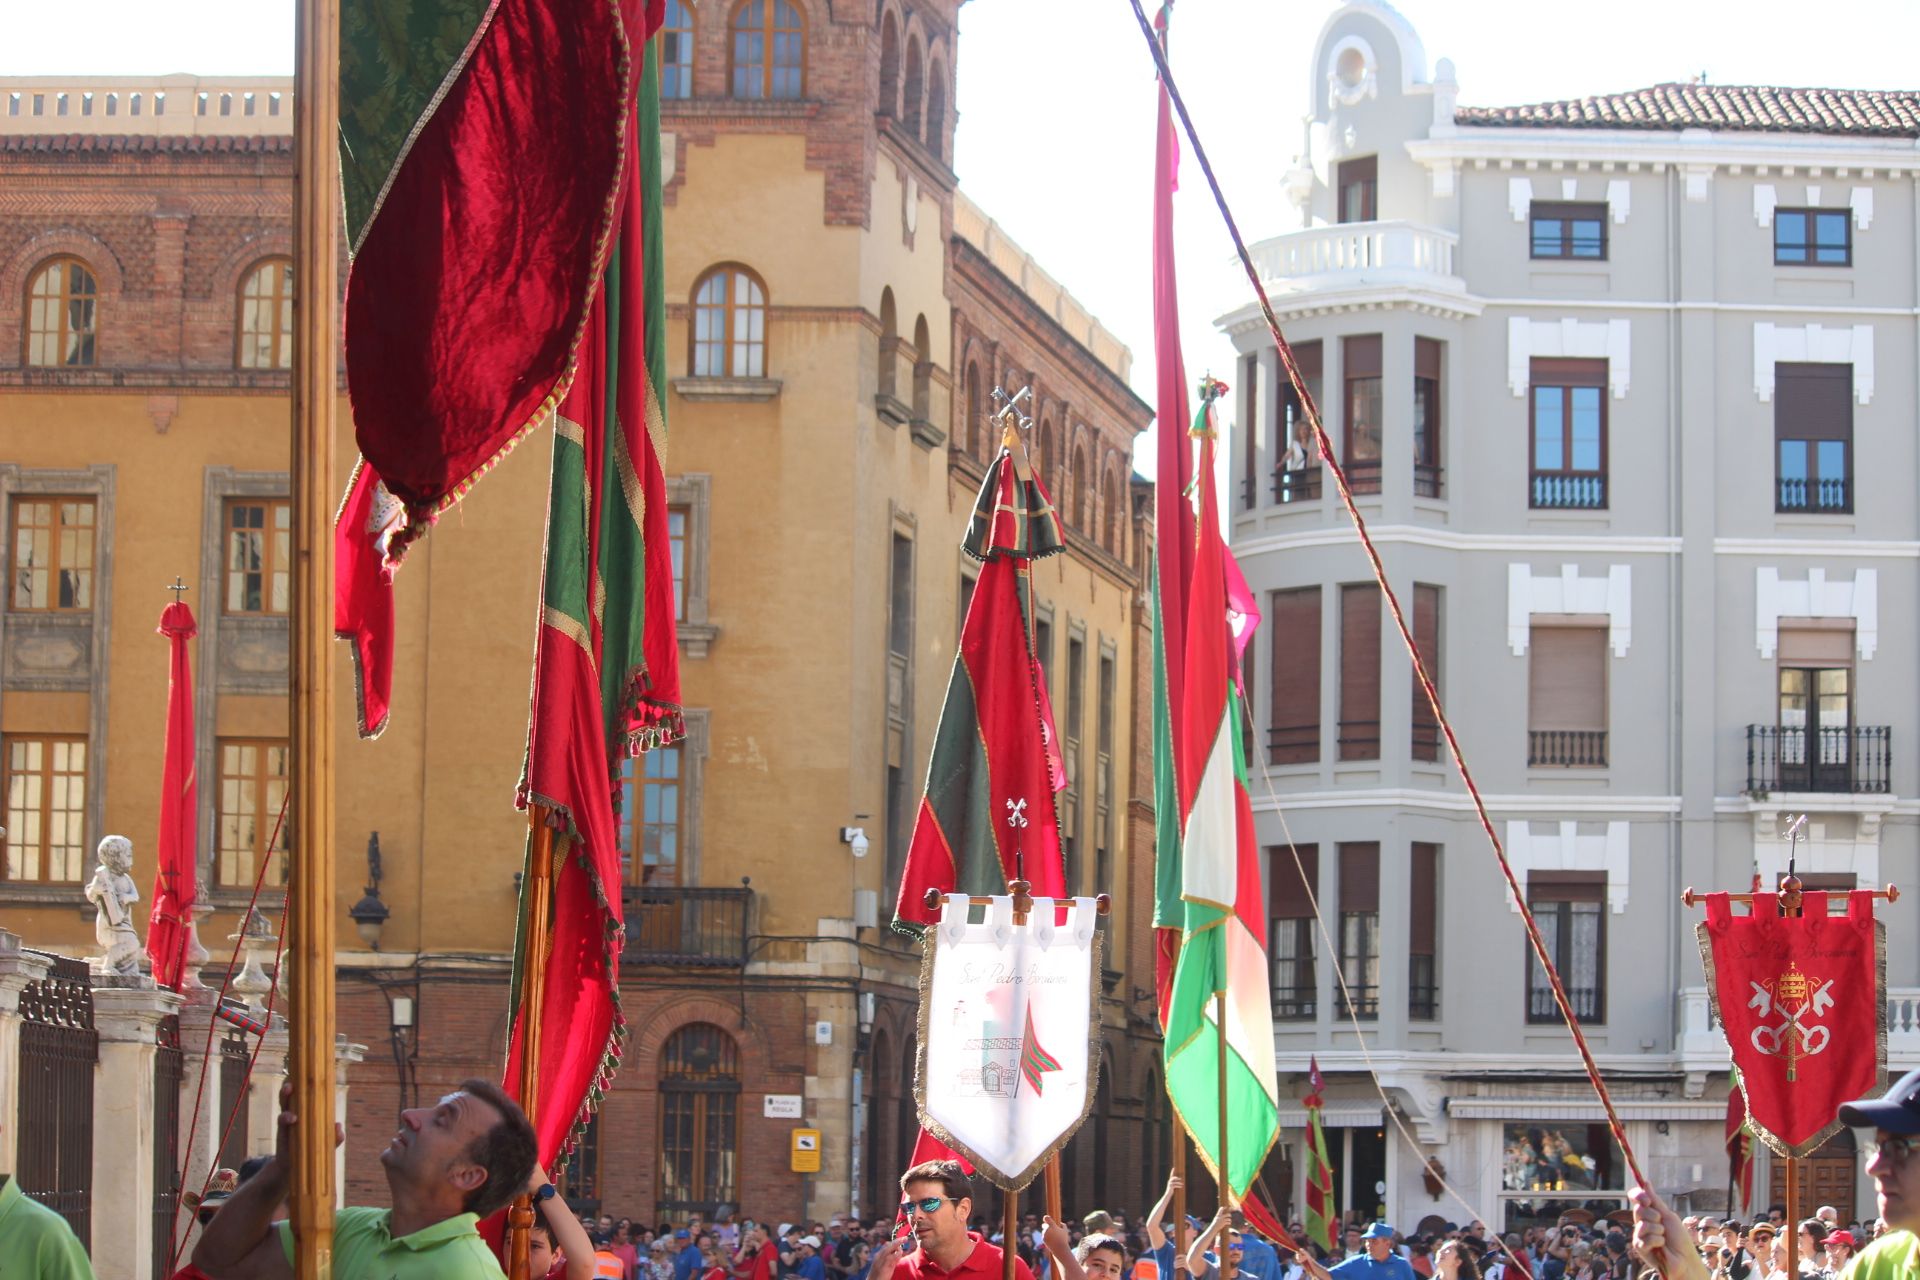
(1321, 1213)
(606, 667)
(1220, 1006)
(1739, 1143)
(1173, 544)
(482, 144)
(987, 816)
(169, 930)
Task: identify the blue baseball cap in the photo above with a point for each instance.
(681, 1234)
(1897, 1111)
(1377, 1231)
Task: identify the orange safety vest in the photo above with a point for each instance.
(607, 1266)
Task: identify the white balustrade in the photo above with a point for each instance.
(1703, 1045)
(1401, 250)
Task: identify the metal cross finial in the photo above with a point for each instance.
(1005, 405)
(178, 587)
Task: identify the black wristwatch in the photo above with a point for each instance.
(546, 1192)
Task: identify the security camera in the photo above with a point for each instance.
(857, 837)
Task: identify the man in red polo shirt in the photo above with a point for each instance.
(937, 1197)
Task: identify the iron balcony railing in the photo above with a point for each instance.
(683, 925)
(1847, 759)
(1569, 491)
(1296, 486)
(1364, 476)
(1587, 1002)
(1427, 480)
(1567, 748)
(1819, 494)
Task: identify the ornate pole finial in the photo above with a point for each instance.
(1211, 389)
(178, 587)
(1007, 413)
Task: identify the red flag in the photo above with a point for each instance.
(1320, 1208)
(363, 592)
(169, 928)
(1801, 1000)
(1739, 1144)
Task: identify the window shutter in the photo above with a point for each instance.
(1567, 678)
(1359, 878)
(1813, 402)
(1566, 886)
(1359, 672)
(1293, 720)
(1426, 358)
(1289, 899)
(1249, 427)
(1423, 928)
(1426, 636)
(1815, 646)
(1361, 355)
(1552, 371)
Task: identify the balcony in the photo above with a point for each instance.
(1567, 748)
(1703, 1045)
(686, 927)
(1568, 491)
(1296, 486)
(1354, 255)
(1799, 495)
(1847, 760)
(1427, 481)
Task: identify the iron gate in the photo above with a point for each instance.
(58, 1053)
(235, 1059)
(169, 1071)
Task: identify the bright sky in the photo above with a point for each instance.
(1056, 102)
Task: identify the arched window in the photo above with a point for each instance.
(769, 50)
(265, 339)
(1046, 460)
(61, 298)
(889, 66)
(699, 1120)
(910, 108)
(676, 52)
(1082, 492)
(1111, 497)
(936, 136)
(974, 409)
(729, 324)
(922, 371)
(889, 341)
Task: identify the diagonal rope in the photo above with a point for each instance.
(1325, 445)
(174, 1234)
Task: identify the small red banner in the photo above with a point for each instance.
(1802, 1001)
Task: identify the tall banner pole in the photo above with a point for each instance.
(535, 931)
(1180, 1232)
(310, 890)
(1226, 1180)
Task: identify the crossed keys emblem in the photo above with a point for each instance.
(1795, 997)
(1017, 813)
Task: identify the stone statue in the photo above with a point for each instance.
(113, 894)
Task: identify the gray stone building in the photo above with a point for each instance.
(1628, 388)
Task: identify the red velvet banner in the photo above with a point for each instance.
(1802, 1002)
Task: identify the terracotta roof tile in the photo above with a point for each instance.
(144, 144)
(1750, 108)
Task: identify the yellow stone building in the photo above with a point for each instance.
(839, 315)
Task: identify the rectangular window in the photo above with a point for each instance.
(1563, 230)
(1561, 1157)
(52, 545)
(1426, 636)
(1813, 437)
(1360, 927)
(1294, 979)
(1423, 934)
(1293, 714)
(253, 786)
(900, 609)
(1568, 435)
(1359, 672)
(1358, 185)
(654, 817)
(1360, 360)
(1043, 652)
(677, 547)
(1813, 237)
(1249, 428)
(1567, 697)
(1296, 470)
(1427, 358)
(46, 789)
(259, 555)
(1070, 740)
(1570, 908)
(1815, 737)
(1103, 782)
(967, 583)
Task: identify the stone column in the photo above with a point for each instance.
(263, 1091)
(17, 969)
(200, 1148)
(345, 1054)
(126, 1016)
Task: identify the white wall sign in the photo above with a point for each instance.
(781, 1106)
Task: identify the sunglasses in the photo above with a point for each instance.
(929, 1205)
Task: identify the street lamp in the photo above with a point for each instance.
(370, 913)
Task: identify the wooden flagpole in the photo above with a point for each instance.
(536, 931)
(1226, 1183)
(310, 889)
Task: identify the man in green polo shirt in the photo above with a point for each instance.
(449, 1165)
(35, 1242)
(1894, 1168)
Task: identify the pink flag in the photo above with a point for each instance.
(173, 882)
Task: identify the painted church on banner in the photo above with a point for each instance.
(1604, 375)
